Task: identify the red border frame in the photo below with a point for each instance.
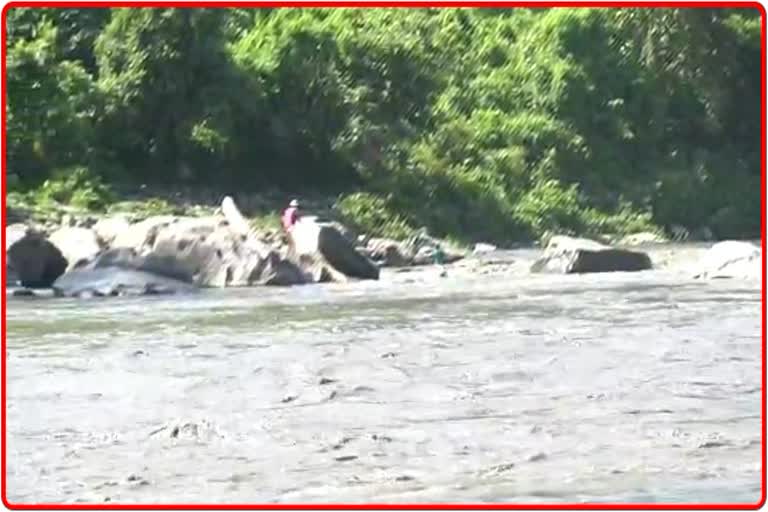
(407, 4)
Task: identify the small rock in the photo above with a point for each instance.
(23, 292)
(345, 458)
(341, 443)
(481, 248)
(499, 468)
(326, 380)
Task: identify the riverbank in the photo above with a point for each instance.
(262, 209)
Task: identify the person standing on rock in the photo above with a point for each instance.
(289, 219)
(290, 216)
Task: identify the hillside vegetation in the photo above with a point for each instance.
(480, 124)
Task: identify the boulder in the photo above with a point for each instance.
(731, 260)
(11, 276)
(316, 269)
(141, 235)
(317, 245)
(108, 228)
(78, 245)
(35, 261)
(422, 248)
(236, 221)
(116, 281)
(129, 259)
(211, 255)
(567, 255)
(418, 250)
(204, 252)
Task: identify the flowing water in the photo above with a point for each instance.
(642, 387)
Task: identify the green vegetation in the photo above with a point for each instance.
(479, 124)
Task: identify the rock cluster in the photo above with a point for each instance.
(171, 254)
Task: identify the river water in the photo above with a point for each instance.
(642, 387)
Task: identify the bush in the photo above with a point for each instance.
(484, 124)
(75, 186)
(372, 215)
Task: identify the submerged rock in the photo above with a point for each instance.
(567, 255)
(35, 261)
(115, 281)
(23, 292)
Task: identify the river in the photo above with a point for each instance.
(640, 387)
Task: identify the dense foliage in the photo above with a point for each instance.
(483, 124)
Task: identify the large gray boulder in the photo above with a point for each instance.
(11, 276)
(129, 259)
(731, 260)
(112, 281)
(205, 252)
(322, 247)
(567, 255)
(212, 255)
(141, 235)
(35, 261)
(78, 245)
